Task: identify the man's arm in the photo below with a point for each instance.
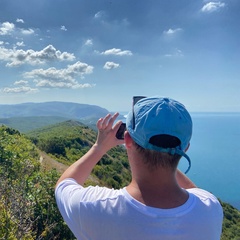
(81, 169)
(184, 181)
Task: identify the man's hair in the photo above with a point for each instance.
(154, 159)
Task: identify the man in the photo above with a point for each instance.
(160, 202)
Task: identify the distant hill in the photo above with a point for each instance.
(26, 124)
(29, 116)
(60, 109)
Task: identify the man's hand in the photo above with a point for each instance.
(106, 139)
(107, 133)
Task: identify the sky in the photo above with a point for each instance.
(103, 52)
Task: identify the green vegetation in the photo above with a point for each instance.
(68, 141)
(25, 124)
(231, 223)
(27, 204)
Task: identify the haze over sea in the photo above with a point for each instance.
(215, 155)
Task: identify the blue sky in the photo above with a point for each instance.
(103, 52)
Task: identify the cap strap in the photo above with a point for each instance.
(173, 151)
(182, 153)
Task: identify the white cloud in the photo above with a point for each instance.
(63, 28)
(27, 31)
(88, 42)
(60, 78)
(118, 52)
(22, 89)
(110, 65)
(171, 32)
(1, 42)
(212, 6)
(21, 82)
(6, 28)
(19, 20)
(51, 84)
(99, 15)
(17, 57)
(20, 44)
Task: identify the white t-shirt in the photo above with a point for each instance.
(101, 213)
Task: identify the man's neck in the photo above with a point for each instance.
(157, 190)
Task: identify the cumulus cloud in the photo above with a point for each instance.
(17, 57)
(60, 78)
(21, 89)
(21, 82)
(27, 31)
(110, 65)
(20, 44)
(63, 28)
(118, 52)
(88, 42)
(6, 28)
(19, 20)
(212, 6)
(73, 85)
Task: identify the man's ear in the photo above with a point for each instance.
(128, 140)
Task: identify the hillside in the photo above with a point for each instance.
(28, 209)
(28, 176)
(26, 124)
(26, 117)
(68, 141)
(60, 109)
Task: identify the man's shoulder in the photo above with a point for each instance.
(205, 199)
(89, 193)
(201, 193)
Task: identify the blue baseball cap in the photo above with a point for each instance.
(156, 116)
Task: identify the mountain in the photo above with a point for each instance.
(60, 109)
(26, 117)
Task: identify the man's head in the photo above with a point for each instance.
(160, 124)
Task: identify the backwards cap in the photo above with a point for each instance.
(160, 116)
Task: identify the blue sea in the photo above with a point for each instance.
(215, 155)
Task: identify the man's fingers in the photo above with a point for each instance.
(112, 119)
(107, 121)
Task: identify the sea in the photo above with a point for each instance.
(215, 155)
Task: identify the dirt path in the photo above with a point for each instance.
(50, 163)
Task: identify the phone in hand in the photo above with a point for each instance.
(121, 130)
(137, 98)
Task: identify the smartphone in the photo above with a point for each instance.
(121, 130)
(137, 98)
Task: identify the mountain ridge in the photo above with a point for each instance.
(68, 110)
